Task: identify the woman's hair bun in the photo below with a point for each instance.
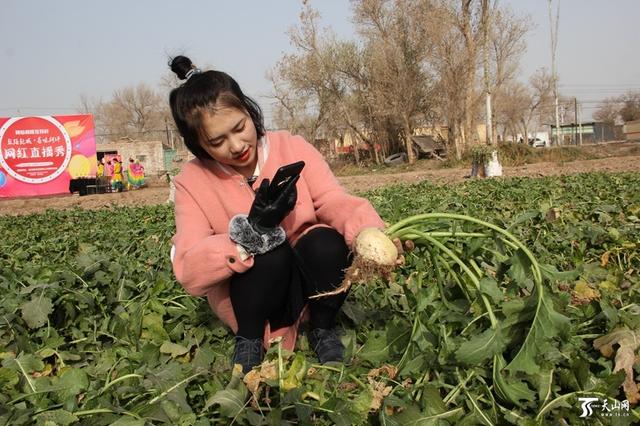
(181, 65)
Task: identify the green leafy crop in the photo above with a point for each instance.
(482, 325)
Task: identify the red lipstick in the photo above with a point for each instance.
(244, 157)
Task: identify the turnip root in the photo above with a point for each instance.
(376, 255)
(374, 246)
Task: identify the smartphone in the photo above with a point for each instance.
(283, 176)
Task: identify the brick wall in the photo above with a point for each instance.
(150, 154)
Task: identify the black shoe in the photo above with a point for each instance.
(248, 353)
(326, 344)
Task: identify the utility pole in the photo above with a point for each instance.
(554, 48)
(580, 125)
(575, 114)
(169, 135)
(487, 85)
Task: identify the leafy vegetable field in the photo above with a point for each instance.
(473, 329)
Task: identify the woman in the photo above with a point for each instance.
(116, 179)
(100, 172)
(255, 255)
(135, 174)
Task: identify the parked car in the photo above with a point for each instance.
(396, 159)
(537, 143)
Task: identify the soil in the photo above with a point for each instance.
(158, 193)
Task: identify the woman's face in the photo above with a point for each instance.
(229, 137)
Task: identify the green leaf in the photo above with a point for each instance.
(509, 390)
(231, 402)
(550, 272)
(354, 312)
(479, 414)
(362, 403)
(520, 265)
(45, 352)
(25, 362)
(173, 349)
(293, 377)
(376, 348)
(36, 312)
(129, 421)
(204, 357)
(72, 381)
(153, 328)
(524, 217)
(546, 325)
(481, 347)
(8, 378)
(432, 401)
(58, 417)
(489, 287)
(545, 385)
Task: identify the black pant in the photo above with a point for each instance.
(280, 282)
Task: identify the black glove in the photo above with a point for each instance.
(271, 205)
(260, 232)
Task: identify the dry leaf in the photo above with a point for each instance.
(236, 371)
(380, 391)
(628, 342)
(254, 378)
(553, 214)
(268, 370)
(604, 259)
(409, 245)
(347, 386)
(252, 381)
(389, 371)
(48, 369)
(583, 294)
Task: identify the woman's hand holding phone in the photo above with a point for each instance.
(268, 209)
(283, 177)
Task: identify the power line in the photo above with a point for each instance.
(31, 108)
(599, 85)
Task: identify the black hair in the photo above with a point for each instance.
(201, 92)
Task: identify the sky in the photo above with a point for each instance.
(52, 52)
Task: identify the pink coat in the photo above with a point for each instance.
(208, 194)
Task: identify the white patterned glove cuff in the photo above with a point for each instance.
(241, 232)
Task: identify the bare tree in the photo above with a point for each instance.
(456, 61)
(608, 111)
(303, 82)
(553, 28)
(395, 52)
(539, 100)
(87, 105)
(630, 109)
(133, 112)
(625, 107)
(512, 100)
(415, 63)
(507, 47)
(328, 86)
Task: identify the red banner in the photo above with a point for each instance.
(40, 155)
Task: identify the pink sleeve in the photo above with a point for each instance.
(202, 259)
(346, 213)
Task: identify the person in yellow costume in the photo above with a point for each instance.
(100, 169)
(116, 179)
